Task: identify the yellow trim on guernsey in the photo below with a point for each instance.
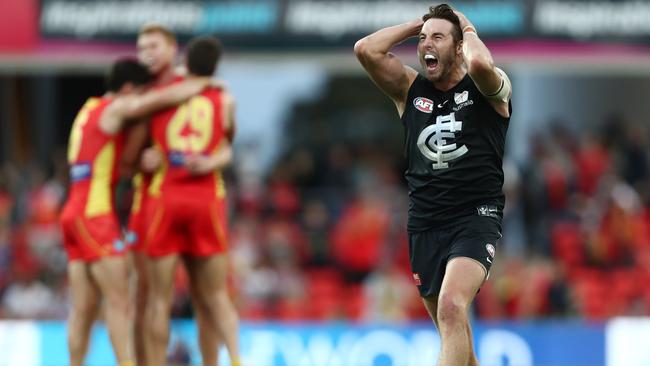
(99, 193)
(158, 176)
(137, 193)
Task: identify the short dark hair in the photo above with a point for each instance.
(446, 12)
(203, 54)
(127, 70)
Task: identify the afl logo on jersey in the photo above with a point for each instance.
(423, 104)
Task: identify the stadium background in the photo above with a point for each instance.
(317, 198)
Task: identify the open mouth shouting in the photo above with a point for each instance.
(431, 61)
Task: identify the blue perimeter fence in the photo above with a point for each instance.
(621, 341)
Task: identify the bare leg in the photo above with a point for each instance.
(463, 277)
(431, 304)
(210, 276)
(209, 340)
(141, 288)
(473, 361)
(112, 278)
(85, 306)
(161, 285)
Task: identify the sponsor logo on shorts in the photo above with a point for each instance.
(119, 245)
(423, 104)
(488, 210)
(491, 251)
(130, 237)
(416, 278)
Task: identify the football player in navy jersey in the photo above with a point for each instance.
(455, 115)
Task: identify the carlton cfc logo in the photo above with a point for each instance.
(423, 104)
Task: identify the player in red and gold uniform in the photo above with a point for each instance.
(188, 218)
(91, 233)
(157, 48)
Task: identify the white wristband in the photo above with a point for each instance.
(473, 30)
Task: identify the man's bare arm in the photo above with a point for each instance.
(206, 164)
(137, 137)
(480, 67)
(229, 124)
(135, 106)
(384, 68)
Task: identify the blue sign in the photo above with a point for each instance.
(333, 344)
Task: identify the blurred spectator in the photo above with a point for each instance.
(27, 297)
(389, 294)
(358, 236)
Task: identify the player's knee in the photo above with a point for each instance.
(223, 299)
(451, 311)
(83, 310)
(118, 301)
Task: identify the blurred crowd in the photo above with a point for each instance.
(322, 235)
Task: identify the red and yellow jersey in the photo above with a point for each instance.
(193, 128)
(93, 156)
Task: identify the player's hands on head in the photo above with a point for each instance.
(151, 160)
(417, 27)
(464, 22)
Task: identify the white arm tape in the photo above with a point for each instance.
(504, 92)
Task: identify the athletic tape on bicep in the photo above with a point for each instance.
(503, 94)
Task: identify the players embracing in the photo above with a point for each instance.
(192, 144)
(158, 50)
(97, 268)
(186, 219)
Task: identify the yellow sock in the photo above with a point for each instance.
(126, 363)
(235, 363)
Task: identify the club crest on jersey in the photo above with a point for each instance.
(423, 104)
(437, 141)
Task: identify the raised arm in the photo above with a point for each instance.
(134, 106)
(385, 69)
(490, 80)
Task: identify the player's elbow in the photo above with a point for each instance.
(366, 52)
(480, 65)
(360, 48)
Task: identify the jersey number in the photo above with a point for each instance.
(190, 129)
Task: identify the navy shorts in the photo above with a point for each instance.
(473, 237)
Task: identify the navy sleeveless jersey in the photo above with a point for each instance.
(454, 144)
